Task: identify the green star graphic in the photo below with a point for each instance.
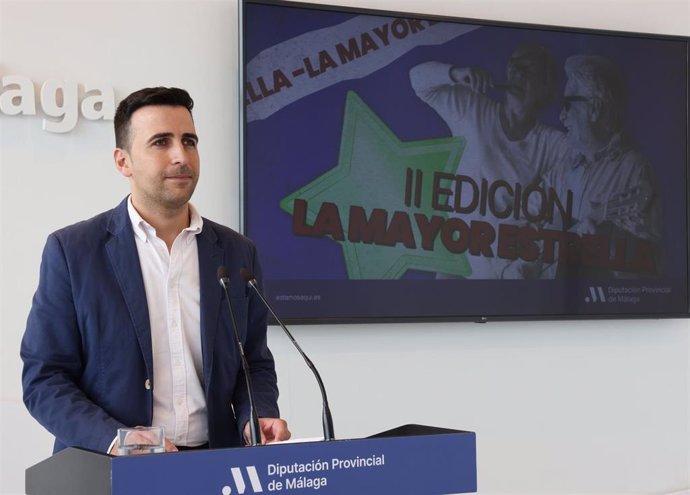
(372, 173)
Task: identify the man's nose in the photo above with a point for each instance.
(515, 71)
(178, 153)
(563, 115)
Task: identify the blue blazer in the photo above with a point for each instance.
(88, 365)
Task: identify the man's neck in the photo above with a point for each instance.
(167, 222)
(595, 144)
(516, 125)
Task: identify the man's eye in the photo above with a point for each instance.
(160, 142)
(190, 142)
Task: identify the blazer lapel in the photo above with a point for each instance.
(211, 256)
(124, 258)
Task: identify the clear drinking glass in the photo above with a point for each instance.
(141, 440)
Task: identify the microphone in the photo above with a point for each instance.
(254, 428)
(327, 418)
(499, 86)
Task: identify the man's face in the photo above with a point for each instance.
(162, 161)
(575, 114)
(527, 77)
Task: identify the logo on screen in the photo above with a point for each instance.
(596, 295)
(240, 483)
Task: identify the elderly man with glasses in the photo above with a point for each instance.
(612, 184)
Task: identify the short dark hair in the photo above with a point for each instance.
(548, 64)
(145, 97)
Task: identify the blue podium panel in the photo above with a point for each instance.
(427, 464)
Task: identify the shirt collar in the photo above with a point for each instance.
(142, 228)
(196, 223)
(613, 149)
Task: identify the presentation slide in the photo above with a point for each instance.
(402, 168)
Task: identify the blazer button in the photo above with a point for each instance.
(147, 384)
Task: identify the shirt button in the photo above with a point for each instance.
(147, 384)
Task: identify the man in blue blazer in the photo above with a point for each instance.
(129, 325)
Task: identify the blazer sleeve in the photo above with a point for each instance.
(53, 357)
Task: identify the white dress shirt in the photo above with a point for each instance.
(171, 281)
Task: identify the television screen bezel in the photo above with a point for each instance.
(469, 21)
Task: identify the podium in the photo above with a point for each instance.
(411, 459)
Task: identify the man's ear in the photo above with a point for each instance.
(122, 162)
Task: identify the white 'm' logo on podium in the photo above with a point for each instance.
(239, 481)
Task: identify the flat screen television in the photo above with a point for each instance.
(411, 167)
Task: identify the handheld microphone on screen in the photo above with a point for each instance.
(327, 418)
(499, 86)
(254, 428)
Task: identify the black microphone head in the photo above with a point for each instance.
(246, 275)
(222, 274)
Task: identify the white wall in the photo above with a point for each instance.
(558, 407)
